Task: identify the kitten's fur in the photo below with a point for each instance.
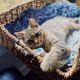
(51, 35)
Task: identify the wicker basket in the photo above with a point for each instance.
(23, 51)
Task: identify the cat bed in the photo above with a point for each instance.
(17, 19)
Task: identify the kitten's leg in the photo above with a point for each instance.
(51, 60)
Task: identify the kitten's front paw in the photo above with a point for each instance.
(46, 67)
(49, 62)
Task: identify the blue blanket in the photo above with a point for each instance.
(41, 15)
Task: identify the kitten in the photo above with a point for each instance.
(51, 36)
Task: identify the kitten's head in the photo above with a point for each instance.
(33, 35)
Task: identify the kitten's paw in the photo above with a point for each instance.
(46, 67)
(49, 62)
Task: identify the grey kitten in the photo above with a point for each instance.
(51, 36)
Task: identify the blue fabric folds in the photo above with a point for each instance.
(41, 15)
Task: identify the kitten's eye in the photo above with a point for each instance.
(30, 41)
(37, 34)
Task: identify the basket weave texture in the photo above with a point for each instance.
(23, 51)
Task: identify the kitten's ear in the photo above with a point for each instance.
(20, 34)
(32, 23)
